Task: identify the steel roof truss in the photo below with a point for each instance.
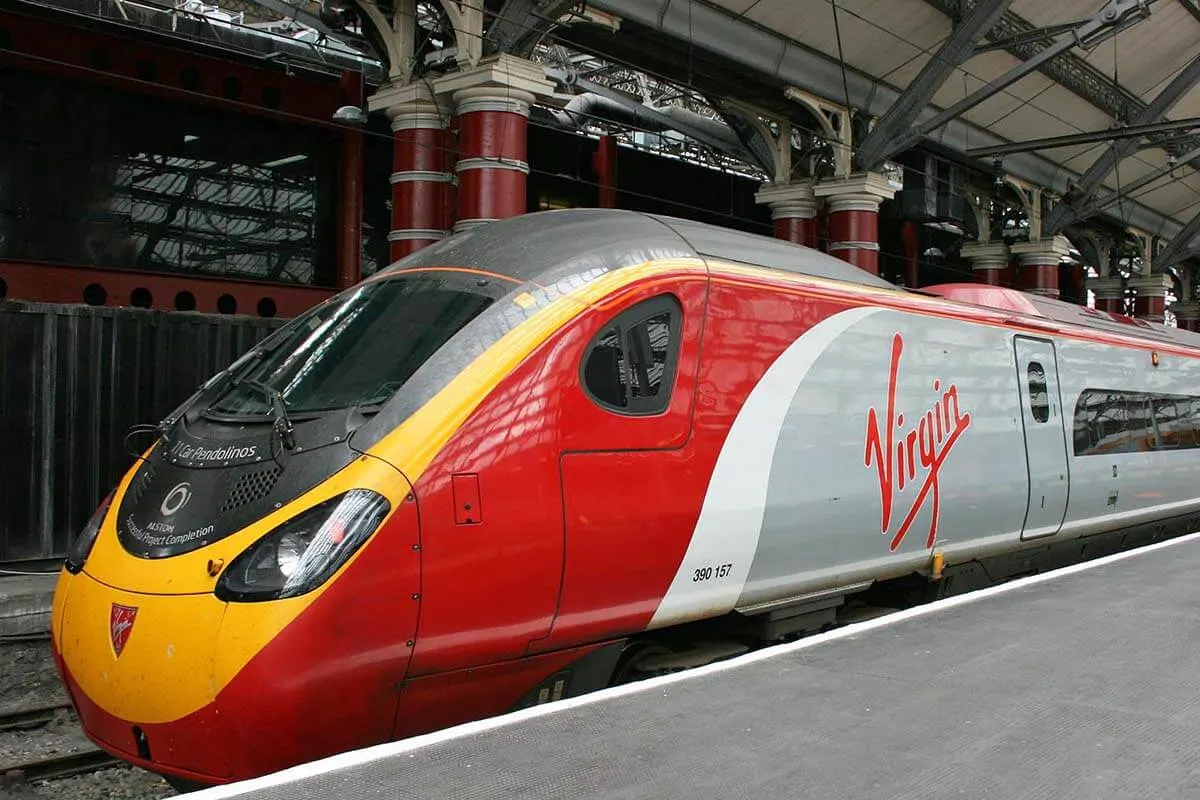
(881, 142)
(520, 24)
(1099, 204)
(1072, 139)
(1179, 247)
(1115, 16)
(1085, 188)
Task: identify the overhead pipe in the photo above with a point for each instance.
(601, 102)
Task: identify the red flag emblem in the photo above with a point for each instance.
(120, 624)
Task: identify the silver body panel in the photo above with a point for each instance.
(882, 436)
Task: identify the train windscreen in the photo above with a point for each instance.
(356, 351)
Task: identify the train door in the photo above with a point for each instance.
(1045, 437)
(626, 485)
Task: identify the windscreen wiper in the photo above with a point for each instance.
(288, 432)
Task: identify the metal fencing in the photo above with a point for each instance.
(73, 379)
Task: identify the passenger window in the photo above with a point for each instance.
(1166, 429)
(1039, 399)
(604, 373)
(630, 365)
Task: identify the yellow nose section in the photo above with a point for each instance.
(144, 658)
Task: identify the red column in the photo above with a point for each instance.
(1150, 300)
(793, 212)
(491, 168)
(1039, 261)
(604, 162)
(854, 217)
(1039, 275)
(854, 231)
(988, 261)
(1187, 316)
(420, 178)
(1110, 294)
(350, 191)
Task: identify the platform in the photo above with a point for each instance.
(1083, 683)
(25, 603)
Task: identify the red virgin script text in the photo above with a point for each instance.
(926, 443)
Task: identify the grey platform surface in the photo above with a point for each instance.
(1086, 685)
(25, 602)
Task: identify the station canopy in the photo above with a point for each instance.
(1053, 82)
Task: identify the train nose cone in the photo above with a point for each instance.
(140, 669)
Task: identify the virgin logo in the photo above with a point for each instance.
(120, 625)
(899, 452)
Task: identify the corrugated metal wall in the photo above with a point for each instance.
(73, 379)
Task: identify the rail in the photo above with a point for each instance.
(57, 767)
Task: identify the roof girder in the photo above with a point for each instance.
(1115, 16)
(1096, 205)
(520, 24)
(1068, 70)
(958, 47)
(1085, 188)
(1071, 139)
(1180, 245)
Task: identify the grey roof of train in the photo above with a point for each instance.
(552, 245)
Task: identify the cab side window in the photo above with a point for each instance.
(630, 366)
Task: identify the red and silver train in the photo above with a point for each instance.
(572, 448)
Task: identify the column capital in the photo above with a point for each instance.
(1042, 252)
(1150, 285)
(863, 191)
(498, 83)
(788, 200)
(986, 255)
(1106, 288)
(410, 105)
(1182, 311)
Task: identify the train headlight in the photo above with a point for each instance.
(78, 552)
(301, 554)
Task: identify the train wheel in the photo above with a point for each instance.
(648, 658)
(630, 667)
(182, 786)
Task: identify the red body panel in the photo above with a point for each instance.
(492, 588)
(435, 702)
(622, 554)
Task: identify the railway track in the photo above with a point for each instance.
(57, 767)
(63, 766)
(31, 717)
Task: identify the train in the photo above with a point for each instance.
(575, 448)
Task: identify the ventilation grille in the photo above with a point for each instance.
(142, 482)
(250, 487)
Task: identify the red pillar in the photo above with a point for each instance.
(1110, 294)
(420, 178)
(350, 190)
(854, 232)
(854, 217)
(1150, 300)
(911, 235)
(491, 168)
(988, 260)
(604, 162)
(793, 212)
(1039, 261)
(1038, 276)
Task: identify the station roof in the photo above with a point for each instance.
(1092, 69)
(1094, 85)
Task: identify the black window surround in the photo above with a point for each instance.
(1111, 421)
(633, 386)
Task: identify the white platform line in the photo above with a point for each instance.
(369, 754)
